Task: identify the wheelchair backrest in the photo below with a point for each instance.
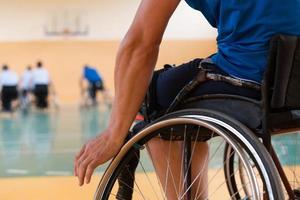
(283, 73)
(281, 85)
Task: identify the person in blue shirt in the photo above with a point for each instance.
(245, 28)
(95, 83)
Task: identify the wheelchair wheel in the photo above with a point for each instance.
(236, 177)
(287, 147)
(208, 127)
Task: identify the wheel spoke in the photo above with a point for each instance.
(172, 177)
(152, 187)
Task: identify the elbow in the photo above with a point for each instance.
(140, 41)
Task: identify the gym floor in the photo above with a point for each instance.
(37, 151)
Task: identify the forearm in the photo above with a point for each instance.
(134, 66)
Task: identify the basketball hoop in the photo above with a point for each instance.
(66, 32)
(62, 26)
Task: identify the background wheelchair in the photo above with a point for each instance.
(242, 161)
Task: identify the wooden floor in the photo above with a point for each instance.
(66, 188)
(45, 188)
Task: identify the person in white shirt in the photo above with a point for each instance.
(41, 81)
(8, 84)
(26, 86)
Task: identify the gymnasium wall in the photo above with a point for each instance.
(64, 59)
(23, 39)
(106, 20)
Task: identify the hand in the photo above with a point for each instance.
(94, 153)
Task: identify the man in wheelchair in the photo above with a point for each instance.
(245, 29)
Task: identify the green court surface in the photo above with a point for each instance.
(44, 144)
(41, 143)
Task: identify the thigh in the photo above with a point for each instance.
(41, 90)
(99, 85)
(4, 93)
(46, 90)
(8, 93)
(220, 87)
(92, 90)
(170, 82)
(37, 90)
(14, 93)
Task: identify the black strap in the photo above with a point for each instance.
(206, 74)
(233, 81)
(200, 78)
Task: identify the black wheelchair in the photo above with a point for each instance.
(242, 161)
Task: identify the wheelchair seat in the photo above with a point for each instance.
(245, 110)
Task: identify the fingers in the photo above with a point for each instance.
(80, 152)
(85, 165)
(94, 153)
(76, 163)
(90, 170)
(82, 168)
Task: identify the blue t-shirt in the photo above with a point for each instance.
(245, 28)
(91, 74)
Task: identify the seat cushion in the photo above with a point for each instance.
(247, 112)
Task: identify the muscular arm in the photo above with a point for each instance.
(135, 62)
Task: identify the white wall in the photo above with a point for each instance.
(107, 19)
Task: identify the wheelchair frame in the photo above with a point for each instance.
(269, 118)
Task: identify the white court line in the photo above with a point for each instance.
(30, 152)
(59, 173)
(17, 171)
